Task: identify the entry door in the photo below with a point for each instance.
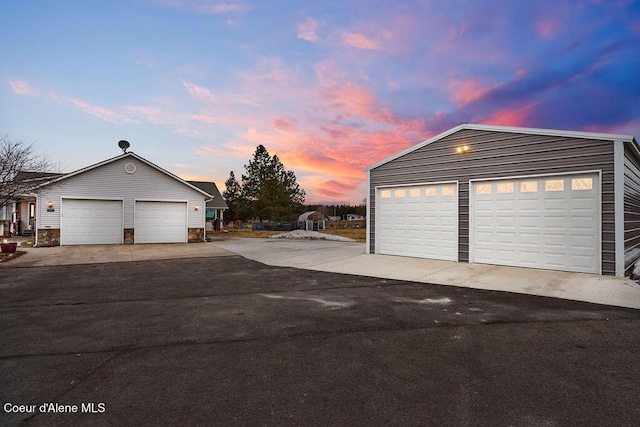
(548, 222)
(418, 221)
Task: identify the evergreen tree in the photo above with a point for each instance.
(234, 198)
(268, 190)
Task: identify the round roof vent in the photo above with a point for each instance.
(130, 168)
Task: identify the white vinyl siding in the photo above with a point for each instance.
(419, 221)
(546, 222)
(160, 222)
(110, 181)
(91, 222)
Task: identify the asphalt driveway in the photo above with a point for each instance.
(230, 341)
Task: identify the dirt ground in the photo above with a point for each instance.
(357, 234)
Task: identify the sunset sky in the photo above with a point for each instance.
(329, 86)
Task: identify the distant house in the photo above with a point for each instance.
(18, 216)
(354, 217)
(312, 220)
(215, 207)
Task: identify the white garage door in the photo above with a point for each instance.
(90, 222)
(160, 222)
(540, 222)
(418, 221)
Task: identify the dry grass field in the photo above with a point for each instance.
(357, 234)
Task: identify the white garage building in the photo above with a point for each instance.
(510, 196)
(123, 200)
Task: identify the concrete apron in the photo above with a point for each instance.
(90, 254)
(349, 258)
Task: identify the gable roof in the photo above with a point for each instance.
(217, 202)
(548, 132)
(123, 156)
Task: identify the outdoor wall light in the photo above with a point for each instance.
(196, 207)
(462, 149)
(50, 204)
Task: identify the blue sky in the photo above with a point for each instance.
(330, 87)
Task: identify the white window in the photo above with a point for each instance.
(385, 194)
(430, 192)
(582, 183)
(448, 190)
(414, 192)
(505, 187)
(399, 194)
(483, 189)
(528, 186)
(554, 185)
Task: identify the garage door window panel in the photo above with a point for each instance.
(483, 189)
(529, 186)
(554, 185)
(505, 187)
(579, 184)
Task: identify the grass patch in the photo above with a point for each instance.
(357, 234)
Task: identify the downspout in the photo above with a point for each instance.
(35, 240)
(204, 219)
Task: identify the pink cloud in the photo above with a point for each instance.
(106, 114)
(463, 92)
(308, 30)
(199, 92)
(355, 101)
(360, 41)
(21, 87)
(282, 125)
(456, 33)
(510, 117)
(149, 114)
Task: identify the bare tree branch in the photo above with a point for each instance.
(21, 168)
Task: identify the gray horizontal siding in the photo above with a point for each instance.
(631, 207)
(500, 154)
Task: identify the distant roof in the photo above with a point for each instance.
(210, 187)
(305, 216)
(36, 176)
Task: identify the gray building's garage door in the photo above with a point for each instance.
(550, 222)
(418, 221)
(160, 222)
(91, 222)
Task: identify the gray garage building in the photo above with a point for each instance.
(522, 197)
